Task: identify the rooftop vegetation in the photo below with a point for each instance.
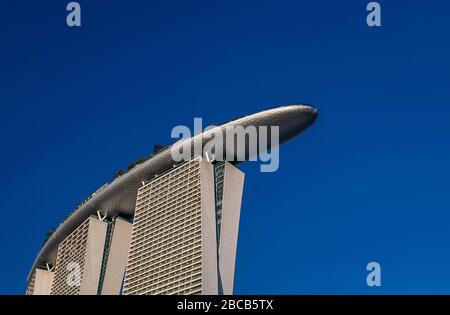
(156, 149)
(48, 235)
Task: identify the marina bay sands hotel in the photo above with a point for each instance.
(163, 227)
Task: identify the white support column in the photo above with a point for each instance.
(43, 282)
(117, 257)
(231, 210)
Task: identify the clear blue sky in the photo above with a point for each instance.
(370, 181)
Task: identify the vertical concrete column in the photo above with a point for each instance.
(209, 241)
(43, 282)
(117, 258)
(231, 210)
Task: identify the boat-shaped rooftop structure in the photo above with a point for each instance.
(118, 198)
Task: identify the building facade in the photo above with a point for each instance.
(175, 243)
(90, 261)
(41, 282)
(183, 239)
(185, 217)
(79, 259)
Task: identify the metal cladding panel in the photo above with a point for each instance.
(119, 197)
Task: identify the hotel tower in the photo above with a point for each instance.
(162, 227)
